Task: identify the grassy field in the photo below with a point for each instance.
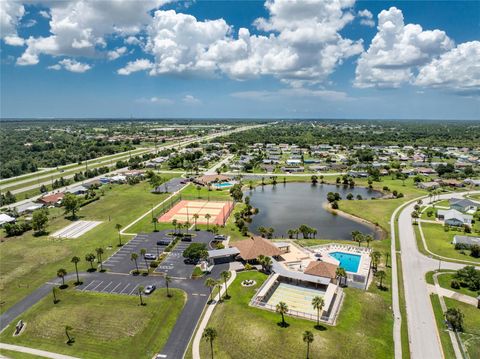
(16, 355)
(446, 278)
(104, 325)
(28, 261)
(471, 333)
(442, 330)
(246, 332)
(439, 242)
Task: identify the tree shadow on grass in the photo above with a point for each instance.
(91, 270)
(320, 327)
(283, 325)
(63, 286)
(56, 301)
(78, 283)
(382, 288)
(71, 341)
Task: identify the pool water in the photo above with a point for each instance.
(348, 261)
(223, 184)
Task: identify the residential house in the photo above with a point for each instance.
(465, 240)
(463, 205)
(5, 218)
(52, 199)
(428, 185)
(452, 217)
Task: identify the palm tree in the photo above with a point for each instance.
(341, 273)
(167, 282)
(174, 224)
(195, 217)
(210, 334)
(314, 179)
(100, 252)
(381, 275)
(375, 255)
(154, 221)
(282, 308)
(267, 263)
(226, 276)
(140, 292)
(143, 251)
(368, 239)
(68, 329)
(54, 292)
(210, 283)
(387, 255)
(90, 257)
(75, 261)
(308, 338)
(61, 273)
(207, 217)
(133, 257)
(118, 227)
(219, 284)
(318, 303)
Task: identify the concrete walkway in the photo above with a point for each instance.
(36, 352)
(206, 318)
(444, 292)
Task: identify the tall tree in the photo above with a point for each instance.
(226, 276)
(68, 329)
(210, 283)
(90, 257)
(118, 227)
(100, 252)
(140, 294)
(318, 303)
(282, 308)
(168, 280)
(40, 220)
(143, 251)
(134, 257)
(195, 217)
(61, 273)
(207, 217)
(75, 261)
(210, 334)
(308, 338)
(71, 204)
(381, 275)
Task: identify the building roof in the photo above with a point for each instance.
(5, 218)
(284, 272)
(29, 206)
(454, 214)
(321, 269)
(52, 198)
(255, 246)
(462, 202)
(206, 179)
(466, 240)
(224, 252)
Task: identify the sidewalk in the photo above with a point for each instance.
(41, 353)
(452, 294)
(206, 318)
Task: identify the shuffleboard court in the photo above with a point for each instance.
(75, 229)
(184, 211)
(297, 297)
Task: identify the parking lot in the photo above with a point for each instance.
(173, 265)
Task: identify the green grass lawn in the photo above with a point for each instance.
(442, 329)
(445, 279)
(363, 329)
(471, 333)
(104, 325)
(27, 261)
(16, 355)
(439, 242)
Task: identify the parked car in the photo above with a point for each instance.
(150, 256)
(187, 238)
(219, 237)
(164, 242)
(190, 261)
(149, 289)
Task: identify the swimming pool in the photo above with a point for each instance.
(348, 261)
(223, 184)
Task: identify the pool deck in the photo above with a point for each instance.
(363, 252)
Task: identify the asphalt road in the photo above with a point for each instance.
(422, 328)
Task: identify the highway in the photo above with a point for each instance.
(173, 145)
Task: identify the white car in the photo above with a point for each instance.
(150, 256)
(149, 289)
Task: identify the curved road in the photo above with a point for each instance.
(422, 328)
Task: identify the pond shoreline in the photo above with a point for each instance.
(382, 234)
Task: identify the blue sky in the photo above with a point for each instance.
(315, 59)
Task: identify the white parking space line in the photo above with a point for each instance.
(89, 284)
(118, 285)
(98, 285)
(128, 285)
(105, 288)
(133, 289)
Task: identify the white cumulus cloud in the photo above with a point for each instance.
(458, 69)
(116, 53)
(135, 66)
(71, 65)
(11, 12)
(397, 50)
(191, 100)
(366, 18)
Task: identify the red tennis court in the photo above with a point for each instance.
(184, 210)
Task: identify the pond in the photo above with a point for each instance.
(287, 206)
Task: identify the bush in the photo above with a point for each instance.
(455, 284)
(196, 251)
(475, 251)
(248, 266)
(17, 229)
